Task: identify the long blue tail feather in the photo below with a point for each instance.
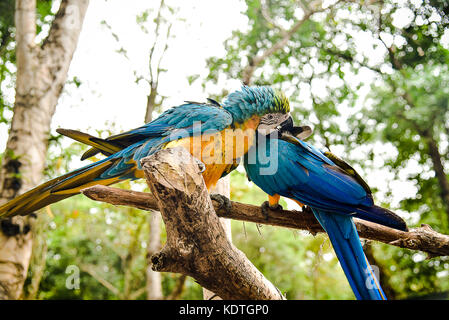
(346, 243)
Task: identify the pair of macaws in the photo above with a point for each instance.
(329, 186)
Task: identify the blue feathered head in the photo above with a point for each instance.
(250, 101)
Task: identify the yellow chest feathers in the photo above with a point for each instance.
(221, 147)
(218, 150)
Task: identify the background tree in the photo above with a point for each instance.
(157, 24)
(40, 76)
(154, 102)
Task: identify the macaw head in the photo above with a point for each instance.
(270, 106)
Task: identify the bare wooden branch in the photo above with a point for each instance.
(423, 238)
(197, 244)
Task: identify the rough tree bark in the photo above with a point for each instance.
(38, 256)
(41, 74)
(223, 187)
(197, 244)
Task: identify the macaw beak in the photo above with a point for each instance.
(301, 132)
(274, 122)
(286, 125)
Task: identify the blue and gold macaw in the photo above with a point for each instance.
(331, 188)
(199, 127)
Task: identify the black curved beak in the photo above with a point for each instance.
(300, 132)
(286, 125)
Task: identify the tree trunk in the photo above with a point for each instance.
(154, 279)
(153, 285)
(41, 74)
(439, 171)
(197, 244)
(151, 104)
(38, 256)
(223, 187)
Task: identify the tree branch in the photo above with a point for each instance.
(423, 238)
(66, 27)
(266, 14)
(157, 20)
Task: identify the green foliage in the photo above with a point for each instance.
(411, 274)
(402, 125)
(7, 55)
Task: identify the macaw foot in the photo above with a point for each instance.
(223, 202)
(306, 209)
(266, 205)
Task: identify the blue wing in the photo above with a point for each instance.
(175, 123)
(183, 121)
(300, 171)
(182, 117)
(304, 173)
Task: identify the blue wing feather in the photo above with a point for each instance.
(307, 175)
(175, 123)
